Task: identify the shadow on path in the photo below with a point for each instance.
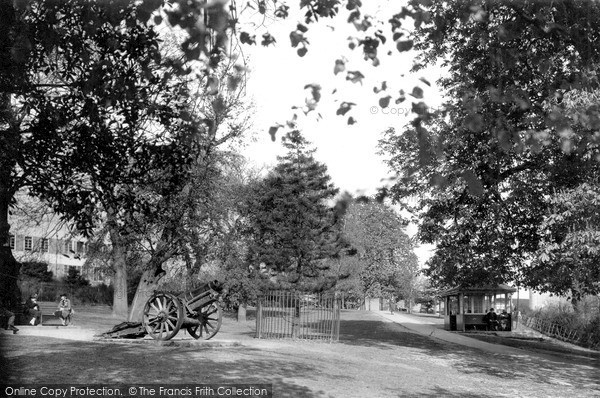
(49, 360)
(369, 330)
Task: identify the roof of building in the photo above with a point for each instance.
(501, 288)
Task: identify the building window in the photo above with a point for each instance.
(80, 247)
(44, 245)
(67, 246)
(28, 243)
(478, 305)
(11, 242)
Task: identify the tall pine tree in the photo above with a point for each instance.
(290, 222)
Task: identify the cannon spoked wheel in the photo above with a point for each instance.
(210, 318)
(163, 316)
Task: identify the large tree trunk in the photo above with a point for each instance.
(241, 313)
(119, 265)
(120, 307)
(10, 294)
(151, 276)
(145, 289)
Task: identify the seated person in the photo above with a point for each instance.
(11, 319)
(32, 309)
(491, 319)
(64, 309)
(503, 320)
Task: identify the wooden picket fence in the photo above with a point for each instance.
(553, 330)
(298, 315)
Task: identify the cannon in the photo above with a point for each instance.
(164, 314)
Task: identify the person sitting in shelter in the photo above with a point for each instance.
(32, 309)
(503, 320)
(64, 310)
(491, 319)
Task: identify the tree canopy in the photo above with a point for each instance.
(566, 262)
(80, 78)
(290, 221)
(95, 113)
(482, 170)
(388, 264)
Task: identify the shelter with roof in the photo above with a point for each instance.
(465, 307)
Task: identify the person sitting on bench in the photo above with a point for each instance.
(11, 319)
(503, 320)
(491, 319)
(33, 310)
(64, 310)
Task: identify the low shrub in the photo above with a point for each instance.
(586, 324)
(101, 294)
(590, 334)
(51, 291)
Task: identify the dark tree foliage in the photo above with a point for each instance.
(484, 167)
(41, 44)
(569, 253)
(291, 225)
(385, 253)
(36, 270)
(91, 110)
(74, 278)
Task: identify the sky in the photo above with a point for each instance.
(277, 77)
(276, 83)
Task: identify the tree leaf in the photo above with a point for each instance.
(425, 81)
(385, 101)
(340, 66)
(355, 76)
(344, 108)
(296, 38)
(273, 132)
(473, 182)
(417, 92)
(404, 45)
(267, 40)
(302, 51)
(474, 122)
(245, 38)
(212, 85)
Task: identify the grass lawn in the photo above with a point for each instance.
(374, 358)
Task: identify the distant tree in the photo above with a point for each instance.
(74, 279)
(566, 262)
(37, 270)
(415, 289)
(228, 246)
(290, 224)
(388, 263)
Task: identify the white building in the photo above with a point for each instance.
(48, 240)
(536, 300)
